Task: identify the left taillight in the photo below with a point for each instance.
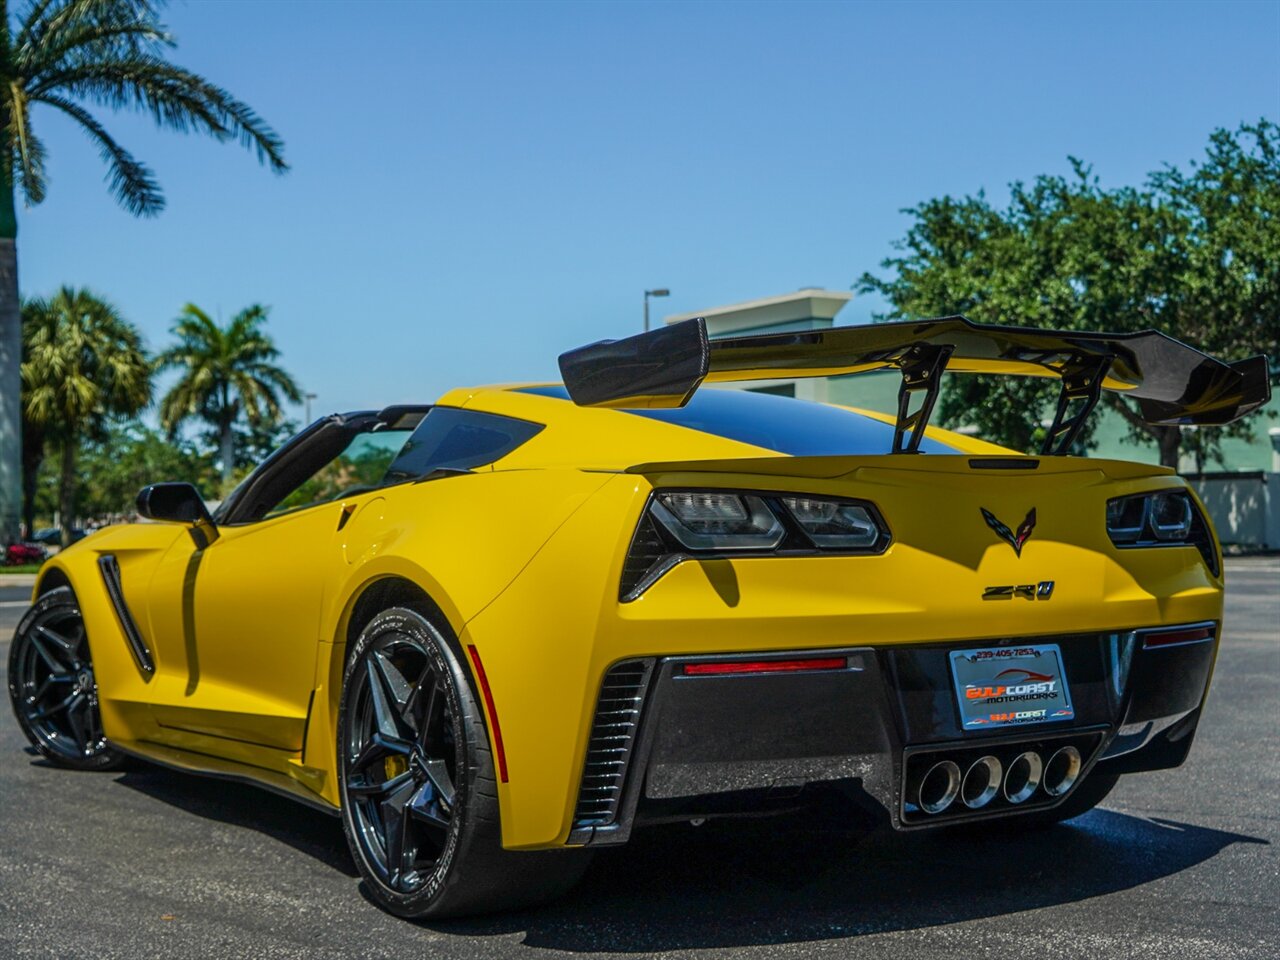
(688, 524)
(717, 521)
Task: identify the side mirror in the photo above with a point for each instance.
(179, 503)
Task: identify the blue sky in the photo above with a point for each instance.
(476, 187)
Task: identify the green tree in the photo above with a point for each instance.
(72, 55)
(225, 372)
(82, 365)
(1194, 254)
(128, 455)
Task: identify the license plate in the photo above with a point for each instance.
(1010, 686)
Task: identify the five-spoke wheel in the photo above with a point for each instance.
(51, 685)
(400, 760)
(419, 799)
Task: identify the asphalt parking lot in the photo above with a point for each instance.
(1185, 863)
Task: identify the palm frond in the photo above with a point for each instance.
(82, 363)
(53, 27)
(28, 151)
(176, 99)
(132, 183)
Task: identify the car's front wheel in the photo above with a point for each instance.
(419, 797)
(52, 688)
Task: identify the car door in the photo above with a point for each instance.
(236, 621)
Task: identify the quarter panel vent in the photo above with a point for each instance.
(613, 736)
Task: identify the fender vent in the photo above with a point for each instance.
(613, 735)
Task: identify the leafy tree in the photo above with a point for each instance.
(82, 365)
(1195, 254)
(70, 56)
(127, 456)
(225, 372)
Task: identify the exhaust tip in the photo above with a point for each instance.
(1023, 776)
(938, 787)
(1062, 771)
(981, 783)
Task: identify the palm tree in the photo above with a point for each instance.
(82, 364)
(226, 371)
(70, 55)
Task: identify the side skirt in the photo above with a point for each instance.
(200, 764)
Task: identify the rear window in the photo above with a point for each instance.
(800, 428)
(460, 439)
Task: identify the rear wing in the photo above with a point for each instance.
(1171, 382)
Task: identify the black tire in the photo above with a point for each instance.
(52, 688)
(430, 844)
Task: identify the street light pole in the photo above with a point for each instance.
(307, 398)
(647, 295)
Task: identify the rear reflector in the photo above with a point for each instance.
(483, 680)
(1176, 638)
(763, 666)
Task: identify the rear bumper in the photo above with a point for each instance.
(668, 743)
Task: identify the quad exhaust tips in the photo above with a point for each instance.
(965, 781)
(974, 779)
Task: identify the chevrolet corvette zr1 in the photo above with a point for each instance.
(500, 631)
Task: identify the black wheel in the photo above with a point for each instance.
(419, 798)
(51, 685)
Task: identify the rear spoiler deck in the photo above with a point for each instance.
(1171, 382)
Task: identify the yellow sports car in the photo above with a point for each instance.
(499, 631)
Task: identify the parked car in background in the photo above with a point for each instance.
(52, 536)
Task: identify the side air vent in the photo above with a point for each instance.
(110, 570)
(613, 735)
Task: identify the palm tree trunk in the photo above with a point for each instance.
(67, 489)
(32, 457)
(1169, 440)
(10, 370)
(227, 452)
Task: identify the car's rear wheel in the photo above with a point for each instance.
(52, 687)
(419, 797)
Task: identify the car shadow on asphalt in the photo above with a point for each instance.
(738, 883)
(309, 831)
(748, 883)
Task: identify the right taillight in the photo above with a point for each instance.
(1162, 518)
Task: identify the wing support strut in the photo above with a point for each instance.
(1081, 388)
(922, 366)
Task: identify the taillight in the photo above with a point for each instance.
(717, 521)
(693, 524)
(834, 523)
(1162, 518)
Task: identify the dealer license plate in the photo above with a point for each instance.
(1009, 686)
